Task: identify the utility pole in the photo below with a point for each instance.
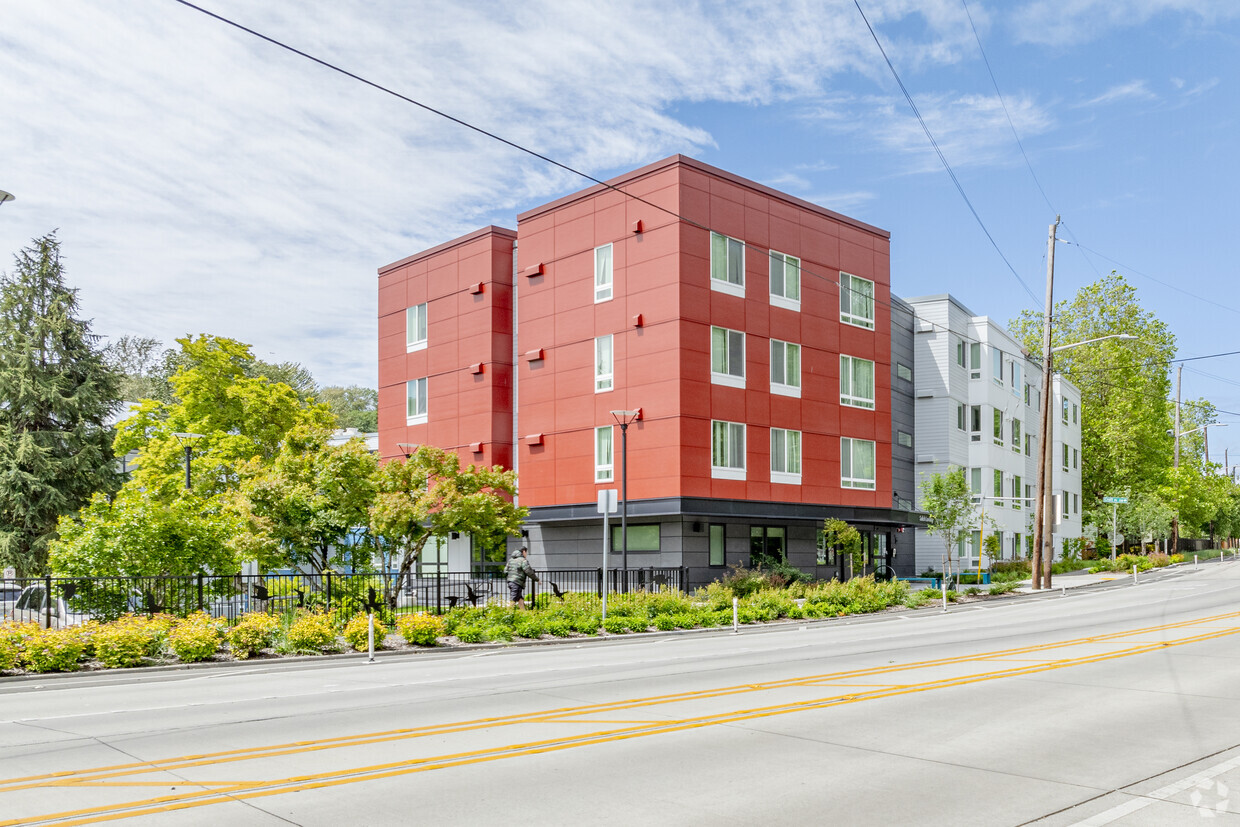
(1175, 521)
(1043, 527)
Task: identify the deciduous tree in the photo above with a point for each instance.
(948, 502)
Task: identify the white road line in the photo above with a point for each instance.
(1161, 794)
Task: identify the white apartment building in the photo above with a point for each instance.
(977, 407)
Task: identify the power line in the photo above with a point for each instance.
(938, 151)
(1208, 356)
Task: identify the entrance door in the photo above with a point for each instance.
(766, 546)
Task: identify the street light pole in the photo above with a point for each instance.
(1042, 520)
(188, 440)
(624, 419)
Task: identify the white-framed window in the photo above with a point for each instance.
(603, 274)
(1030, 441)
(1015, 379)
(1016, 492)
(998, 427)
(1074, 412)
(1016, 435)
(975, 360)
(998, 487)
(727, 264)
(1065, 456)
(1076, 459)
(975, 481)
(727, 357)
(975, 423)
(996, 365)
(415, 410)
(1076, 503)
(415, 327)
(960, 417)
(603, 364)
(857, 468)
(1064, 405)
(1028, 395)
(604, 453)
(856, 382)
(785, 281)
(785, 368)
(856, 301)
(785, 456)
(960, 352)
(727, 450)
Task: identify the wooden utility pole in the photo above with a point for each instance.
(1175, 521)
(1043, 526)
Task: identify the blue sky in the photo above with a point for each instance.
(205, 181)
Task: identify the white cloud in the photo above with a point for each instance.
(1133, 90)
(1072, 22)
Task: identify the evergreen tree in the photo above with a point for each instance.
(56, 393)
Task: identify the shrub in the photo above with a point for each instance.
(616, 624)
(469, 633)
(587, 624)
(311, 633)
(421, 628)
(253, 633)
(12, 641)
(685, 620)
(495, 631)
(195, 638)
(54, 650)
(119, 644)
(560, 627)
(972, 591)
(665, 623)
(1003, 588)
(530, 626)
(357, 632)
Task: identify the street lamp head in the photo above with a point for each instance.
(188, 439)
(625, 417)
(6, 196)
(407, 448)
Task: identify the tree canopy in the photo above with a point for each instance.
(57, 393)
(948, 502)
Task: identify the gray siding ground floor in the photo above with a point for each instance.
(709, 536)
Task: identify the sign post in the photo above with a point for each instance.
(1115, 539)
(608, 503)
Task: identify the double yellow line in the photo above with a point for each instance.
(212, 792)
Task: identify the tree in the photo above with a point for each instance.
(947, 500)
(56, 394)
(310, 506)
(845, 539)
(136, 358)
(430, 495)
(242, 419)
(1144, 516)
(1124, 385)
(354, 406)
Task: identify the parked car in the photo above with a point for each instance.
(32, 607)
(9, 592)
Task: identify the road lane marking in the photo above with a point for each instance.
(1161, 794)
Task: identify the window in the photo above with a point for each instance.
(1065, 411)
(960, 416)
(905, 439)
(1016, 435)
(904, 372)
(999, 488)
(960, 352)
(975, 360)
(975, 481)
(727, 357)
(727, 450)
(766, 545)
(1076, 503)
(604, 455)
(785, 456)
(1029, 496)
(1016, 546)
(602, 364)
(415, 412)
(825, 555)
(1076, 459)
(975, 423)
(415, 327)
(433, 561)
(727, 264)
(1030, 440)
(602, 273)
(856, 301)
(785, 281)
(996, 364)
(785, 368)
(1027, 391)
(998, 427)
(857, 463)
(641, 537)
(1015, 378)
(717, 545)
(1074, 413)
(1016, 492)
(856, 382)
(1065, 457)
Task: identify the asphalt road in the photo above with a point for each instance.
(1110, 706)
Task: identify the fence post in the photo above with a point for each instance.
(438, 591)
(684, 579)
(329, 591)
(602, 582)
(47, 585)
(200, 606)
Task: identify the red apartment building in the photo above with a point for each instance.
(751, 330)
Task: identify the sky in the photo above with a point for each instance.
(203, 180)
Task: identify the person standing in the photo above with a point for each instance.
(519, 571)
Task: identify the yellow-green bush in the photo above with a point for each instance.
(357, 632)
(311, 632)
(13, 638)
(421, 629)
(118, 645)
(195, 638)
(253, 633)
(54, 650)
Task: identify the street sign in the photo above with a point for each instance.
(1120, 500)
(608, 502)
(1119, 539)
(10, 573)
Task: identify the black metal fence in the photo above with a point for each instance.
(74, 600)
